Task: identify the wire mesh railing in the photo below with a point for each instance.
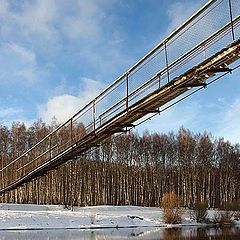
(211, 28)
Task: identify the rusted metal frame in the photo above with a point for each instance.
(196, 14)
(196, 90)
(231, 18)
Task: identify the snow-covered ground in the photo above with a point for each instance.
(21, 216)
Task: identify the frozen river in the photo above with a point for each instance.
(184, 233)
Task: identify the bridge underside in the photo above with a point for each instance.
(193, 78)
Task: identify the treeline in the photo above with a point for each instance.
(131, 169)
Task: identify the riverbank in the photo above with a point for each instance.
(30, 216)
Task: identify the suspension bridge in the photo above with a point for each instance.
(204, 48)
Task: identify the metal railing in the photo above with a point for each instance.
(210, 29)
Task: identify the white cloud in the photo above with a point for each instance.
(61, 107)
(68, 35)
(24, 54)
(86, 23)
(18, 64)
(64, 106)
(47, 20)
(32, 19)
(79, 29)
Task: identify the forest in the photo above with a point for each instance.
(131, 169)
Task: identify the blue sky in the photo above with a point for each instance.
(56, 55)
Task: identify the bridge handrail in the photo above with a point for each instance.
(161, 44)
(201, 44)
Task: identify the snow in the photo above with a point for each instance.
(37, 217)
